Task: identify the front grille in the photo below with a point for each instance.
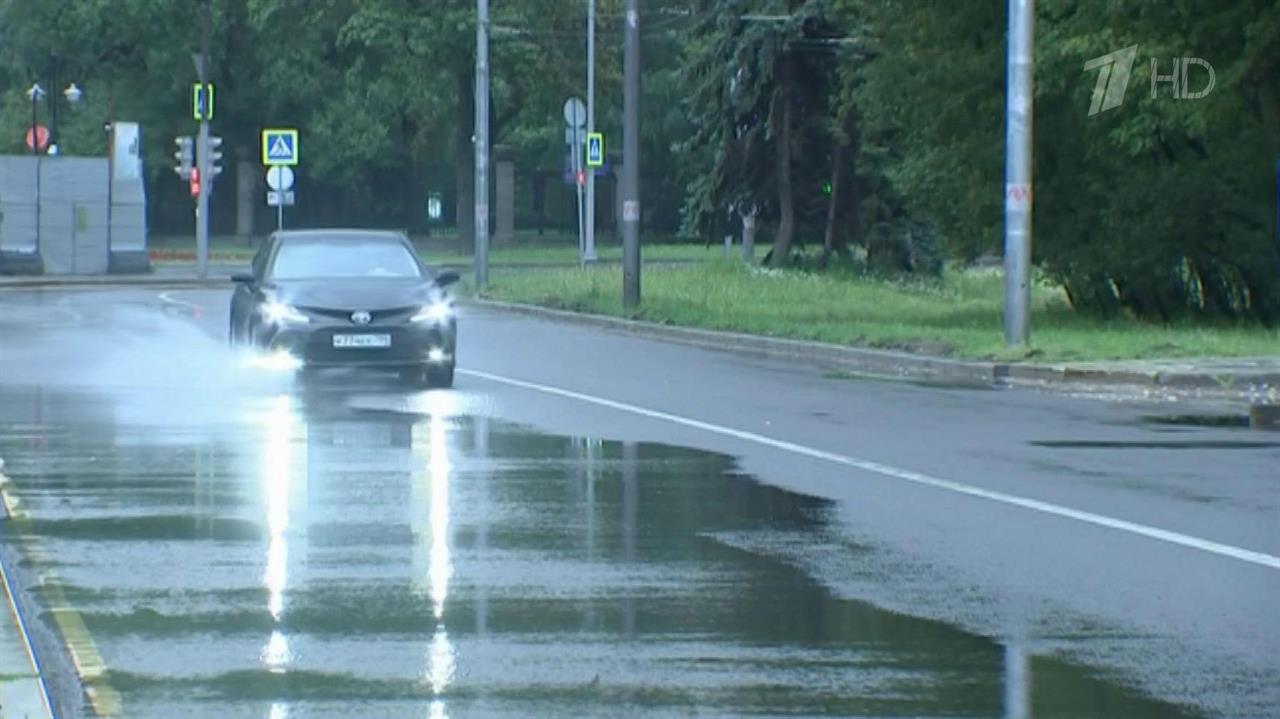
(393, 314)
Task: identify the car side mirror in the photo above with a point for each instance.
(446, 278)
(243, 278)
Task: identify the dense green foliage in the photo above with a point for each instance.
(1162, 206)
(864, 132)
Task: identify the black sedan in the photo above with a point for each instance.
(337, 298)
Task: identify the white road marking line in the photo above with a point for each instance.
(1101, 520)
(167, 297)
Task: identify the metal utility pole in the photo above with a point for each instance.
(482, 144)
(575, 155)
(1017, 173)
(202, 157)
(631, 157)
(589, 252)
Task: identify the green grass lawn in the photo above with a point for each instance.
(569, 254)
(959, 315)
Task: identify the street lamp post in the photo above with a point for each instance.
(73, 94)
(482, 145)
(35, 93)
(631, 157)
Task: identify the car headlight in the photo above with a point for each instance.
(436, 312)
(278, 313)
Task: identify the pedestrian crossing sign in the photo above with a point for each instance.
(595, 149)
(279, 147)
(202, 101)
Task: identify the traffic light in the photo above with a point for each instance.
(215, 157)
(185, 156)
(195, 181)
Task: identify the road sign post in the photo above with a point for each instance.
(575, 119)
(280, 154)
(280, 180)
(589, 240)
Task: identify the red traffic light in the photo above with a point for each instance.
(195, 182)
(582, 178)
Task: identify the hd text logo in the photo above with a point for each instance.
(1115, 68)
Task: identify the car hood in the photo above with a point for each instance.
(356, 294)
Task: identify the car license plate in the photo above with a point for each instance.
(361, 341)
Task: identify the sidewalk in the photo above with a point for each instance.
(22, 691)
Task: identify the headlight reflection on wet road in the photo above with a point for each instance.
(279, 423)
(440, 654)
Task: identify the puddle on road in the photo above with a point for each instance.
(1152, 444)
(1198, 420)
(313, 561)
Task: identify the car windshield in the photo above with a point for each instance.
(305, 259)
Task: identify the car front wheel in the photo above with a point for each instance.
(440, 375)
(432, 376)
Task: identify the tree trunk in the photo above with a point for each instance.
(246, 181)
(414, 197)
(833, 239)
(781, 253)
(464, 163)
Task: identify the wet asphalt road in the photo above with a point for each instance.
(555, 537)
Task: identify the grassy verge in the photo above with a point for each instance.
(958, 316)
(569, 254)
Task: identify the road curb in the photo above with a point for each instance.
(1255, 388)
(21, 691)
(83, 653)
(863, 361)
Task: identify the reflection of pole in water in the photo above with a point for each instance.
(1017, 682)
(480, 447)
(630, 500)
(590, 461)
(440, 655)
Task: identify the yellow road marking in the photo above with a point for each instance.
(89, 666)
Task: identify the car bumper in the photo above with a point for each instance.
(410, 345)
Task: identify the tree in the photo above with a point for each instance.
(761, 82)
(1160, 207)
